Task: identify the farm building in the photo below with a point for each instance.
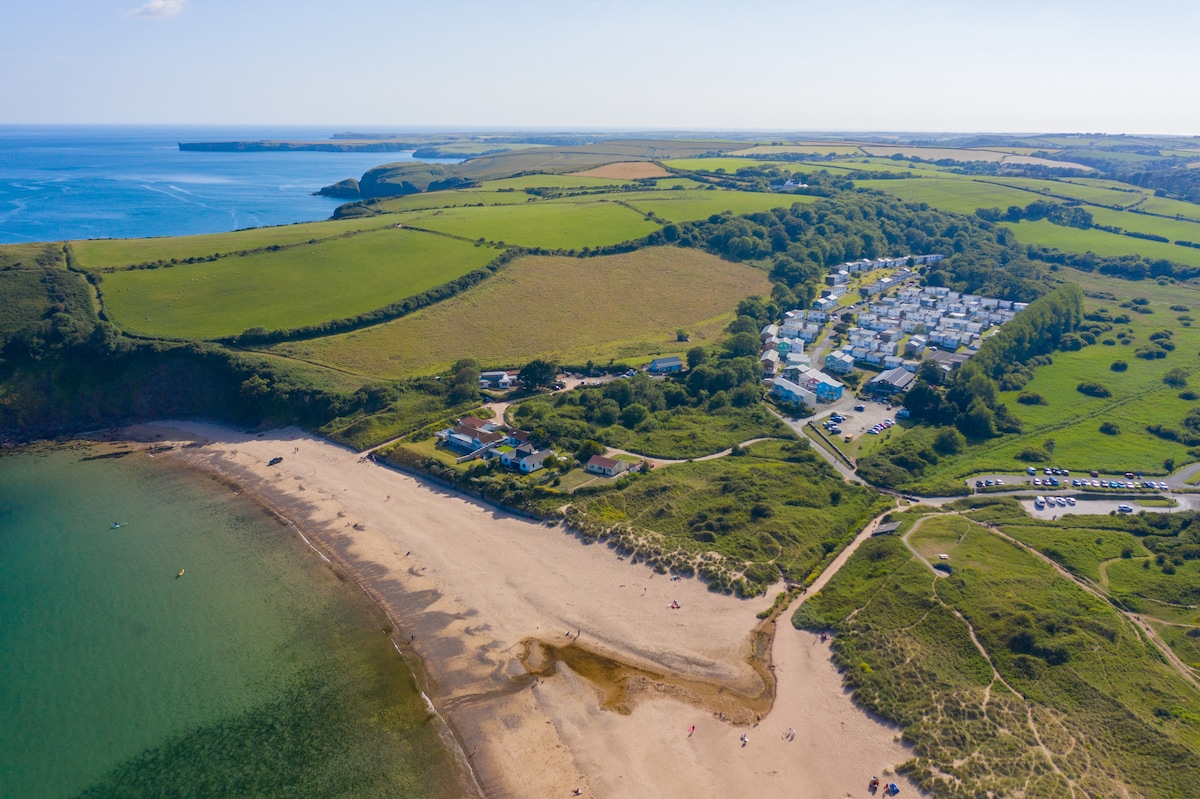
(664, 365)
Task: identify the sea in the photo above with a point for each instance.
(161, 635)
(76, 182)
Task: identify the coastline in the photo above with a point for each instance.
(480, 599)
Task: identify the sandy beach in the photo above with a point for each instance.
(559, 666)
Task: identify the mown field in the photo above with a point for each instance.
(779, 509)
(565, 224)
(951, 194)
(1069, 239)
(686, 206)
(99, 253)
(813, 148)
(333, 279)
(718, 164)
(573, 310)
(1077, 699)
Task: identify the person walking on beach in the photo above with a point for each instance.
(745, 739)
(691, 730)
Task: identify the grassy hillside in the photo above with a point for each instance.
(1005, 676)
(685, 206)
(567, 224)
(306, 285)
(1069, 239)
(569, 309)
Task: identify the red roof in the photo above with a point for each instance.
(601, 462)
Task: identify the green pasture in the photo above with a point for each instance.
(308, 285)
(961, 196)
(730, 165)
(1044, 234)
(449, 199)
(903, 638)
(1168, 207)
(549, 182)
(1074, 191)
(1173, 229)
(685, 206)
(624, 307)
(98, 253)
(813, 148)
(562, 224)
(1184, 641)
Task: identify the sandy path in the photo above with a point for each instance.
(469, 583)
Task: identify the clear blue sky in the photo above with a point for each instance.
(937, 65)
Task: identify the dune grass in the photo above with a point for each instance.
(1107, 709)
(333, 279)
(569, 309)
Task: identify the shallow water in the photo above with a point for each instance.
(256, 673)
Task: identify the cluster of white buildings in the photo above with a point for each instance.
(838, 280)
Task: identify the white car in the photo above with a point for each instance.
(1071, 501)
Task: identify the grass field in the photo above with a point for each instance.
(685, 206)
(729, 165)
(308, 285)
(549, 181)
(950, 194)
(560, 224)
(450, 199)
(1077, 190)
(1096, 692)
(814, 148)
(99, 253)
(1172, 229)
(570, 309)
(1139, 397)
(1069, 239)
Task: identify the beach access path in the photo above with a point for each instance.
(474, 592)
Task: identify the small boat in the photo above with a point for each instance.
(115, 526)
(180, 573)
(275, 461)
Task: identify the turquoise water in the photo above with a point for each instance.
(256, 673)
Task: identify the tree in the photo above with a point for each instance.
(587, 449)
(949, 441)
(538, 374)
(633, 415)
(696, 356)
(743, 345)
(930, 372)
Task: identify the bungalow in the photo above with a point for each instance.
(664, 365)
(824, 304)
(525, 458)
(606, 467)
(787, 391)
(769, 331)
(470, 439)
(499, 379)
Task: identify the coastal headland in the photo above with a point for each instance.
(557, 665)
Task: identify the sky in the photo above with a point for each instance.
(1111, 66)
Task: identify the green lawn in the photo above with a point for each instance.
(730, 165)
(333, 279)
(99, 253)
(1172, 229)
(560, 224)
(949, 194)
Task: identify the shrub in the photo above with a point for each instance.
(1176, 378)
(1093, 389)
(1110, 429)
(1031, 398)
(1033, 455)
(1119, 366)
(1188, 395)
(1180, 308)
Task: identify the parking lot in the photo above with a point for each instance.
(857, 423)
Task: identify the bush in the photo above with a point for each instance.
(1188, 395)
(1093, 389)
(1119, 366)
(1110, 429)
(1033, 455)
(1176, 378)
(1031, 398)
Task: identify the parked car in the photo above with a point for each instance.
(1125, 508)
(1030, 470)
(1095, 473)
(860, 408)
